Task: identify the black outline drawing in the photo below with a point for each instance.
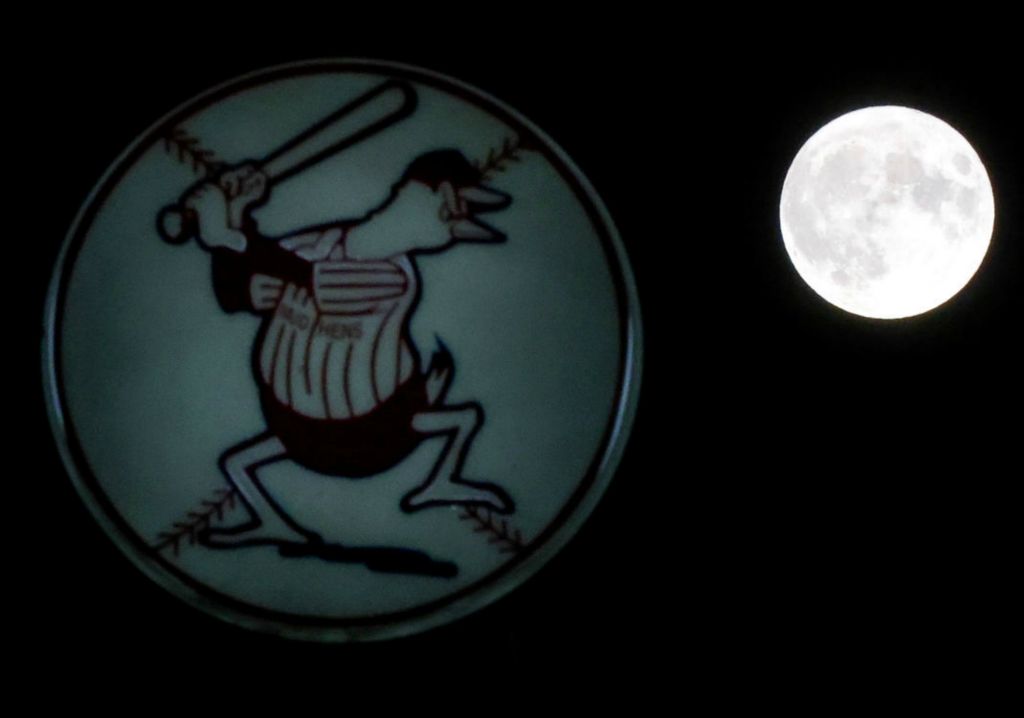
(314, 442)
(137, 545)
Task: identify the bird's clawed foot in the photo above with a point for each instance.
(459, 493)
(257, 533)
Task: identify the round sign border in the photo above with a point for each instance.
(461, 602)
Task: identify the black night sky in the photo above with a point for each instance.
(803, 486)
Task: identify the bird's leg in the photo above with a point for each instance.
(445, 485)
(268, 523)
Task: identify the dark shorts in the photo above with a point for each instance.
(353, 448)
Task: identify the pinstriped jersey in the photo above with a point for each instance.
(340, 351)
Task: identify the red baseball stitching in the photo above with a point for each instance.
(189, 152)
(196, 521)
(508, 540)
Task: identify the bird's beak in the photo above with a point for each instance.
(481, 199)
(471, 229)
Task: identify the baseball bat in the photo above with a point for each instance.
(359, 119)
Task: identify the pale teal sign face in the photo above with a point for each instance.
(342, 350)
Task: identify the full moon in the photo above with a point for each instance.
(887, 212)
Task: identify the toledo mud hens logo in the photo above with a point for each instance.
(343, 388)
(342, 349)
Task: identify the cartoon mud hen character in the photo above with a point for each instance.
(343, 388)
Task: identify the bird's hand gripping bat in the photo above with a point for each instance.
(361, 118)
